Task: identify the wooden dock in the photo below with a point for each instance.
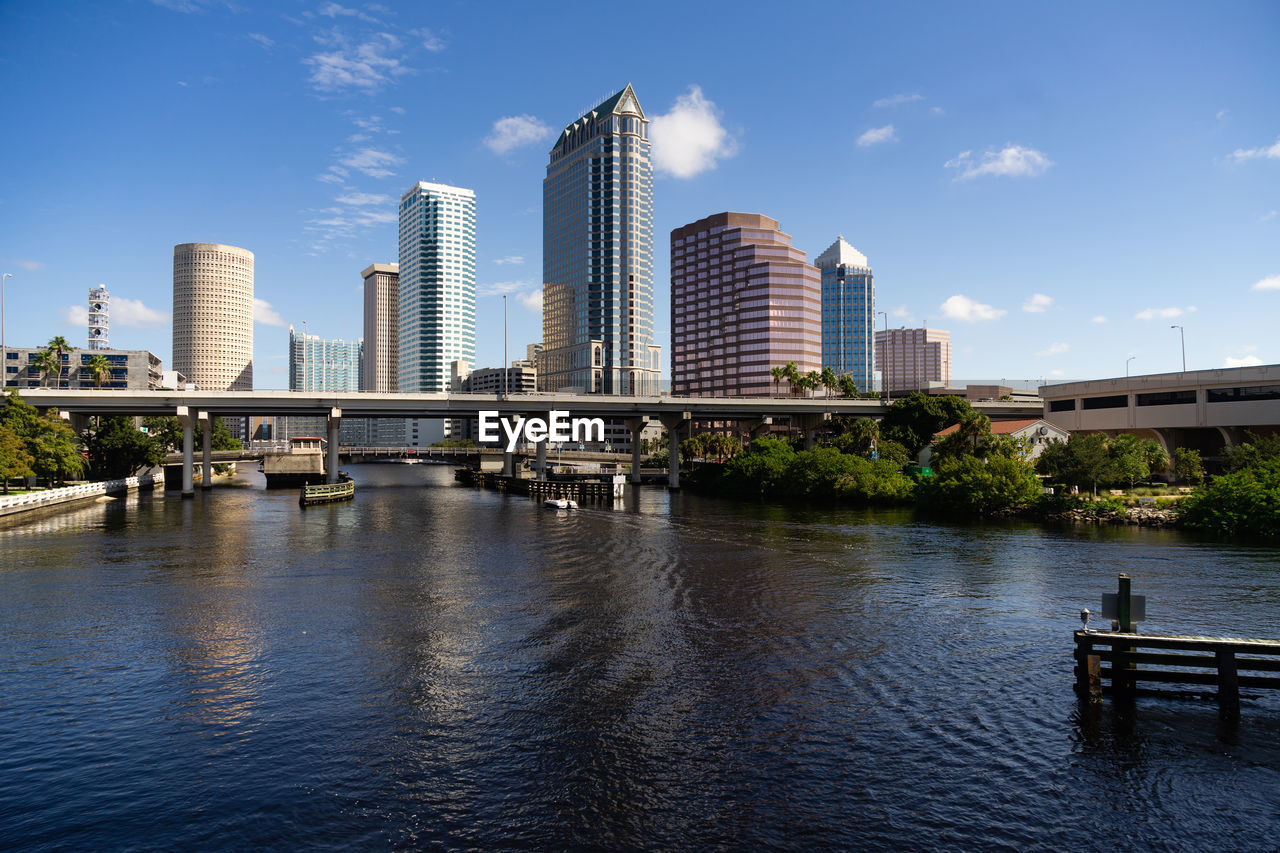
(1131, 660)
(583, 491)
(344, 490)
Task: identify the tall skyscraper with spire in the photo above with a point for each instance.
(597, 255)
(848, 313)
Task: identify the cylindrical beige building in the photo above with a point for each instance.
(213, 316)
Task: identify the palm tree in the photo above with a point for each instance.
(45, 363)
(829, 380)
(848, 387)
(99, 368)
(58, 347)
(812, 380)
(792, 374)
(778, 373)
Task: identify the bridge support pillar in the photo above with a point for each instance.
(331, 464)
(809, 427)
(636, 428)
(672, 423)
(508, 463)
(187, 419)
(542, 460)
(206, 474)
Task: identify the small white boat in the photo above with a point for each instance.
(559, 503)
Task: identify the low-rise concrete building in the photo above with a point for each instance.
(132, 369)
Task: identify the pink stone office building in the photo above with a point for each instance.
(743, 300)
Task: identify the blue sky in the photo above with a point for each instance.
(1054, 184)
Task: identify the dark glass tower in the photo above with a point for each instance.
(597, 255)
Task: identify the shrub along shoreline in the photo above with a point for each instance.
(977, 474)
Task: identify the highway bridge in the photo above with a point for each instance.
(755, 414)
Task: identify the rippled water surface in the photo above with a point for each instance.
(434, 666)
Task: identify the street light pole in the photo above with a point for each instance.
(884, 359)
(1126, 364)
(1182, 333)
(504, 346)
(2, 347)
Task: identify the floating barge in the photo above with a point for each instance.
(343, 490)
(604, 489)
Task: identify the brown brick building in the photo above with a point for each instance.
(743, 300)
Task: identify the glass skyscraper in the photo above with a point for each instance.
(437, 286)
(848, 313)
(321, 364)
(597, 255)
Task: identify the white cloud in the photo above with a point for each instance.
(265, 314)
(514, 131)
(876, 135)
(398, 110)
(900, 311)
(372, 162)
(1162, 313)
(498, 288)
(938, 111)
(130, 313)
(1056, 348)
(1269, 215)
(689, 139)
(266, 43)
(33, 266)
(1246, 361)
(361, 199)
(531, 300)
(430, 40)
(1099, 319)
(1057, 373)
(329, 178)
(333, 10)
(134, 314)
(1037, 304)
(509, 259)
(960, 307)
(365, 66)
(897, 100)
(1222, 114)
(1271, 282)
(1272, 153)
(1011, 161)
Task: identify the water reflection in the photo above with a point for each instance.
(434, 665)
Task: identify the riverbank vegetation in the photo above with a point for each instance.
(1243, 500)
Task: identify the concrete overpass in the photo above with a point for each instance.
(192, 407)
(1202, 409)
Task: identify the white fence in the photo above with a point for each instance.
(49, 497)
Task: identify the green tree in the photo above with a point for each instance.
(1246, 501)
(828, 379)
(972, 437)
(1187, 465)
(791, 373)
(15, 461)
(971, 486)
(46, 365)
(1155, 456)
(758, 471)
(117, 449)
(99, 369)
(166, 430)
(55, 450)
(812, 380)
(778, 373)
(222, 439)
(1128, 459)
(20, 416)
(1253, 451)
(848, 387)
(58, 347)
(858, 436)
(915, 419)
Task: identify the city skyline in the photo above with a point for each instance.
(1056, 187)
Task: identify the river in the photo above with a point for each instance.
(434, 666)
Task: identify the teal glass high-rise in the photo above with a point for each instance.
(848, 313)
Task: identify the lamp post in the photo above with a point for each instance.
(504, 346)
(884, 359)
(2, 278)
(1182, 333)
(1126, 364)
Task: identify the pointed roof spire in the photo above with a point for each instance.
(841, 253)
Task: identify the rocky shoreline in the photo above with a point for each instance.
(1139, 516)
